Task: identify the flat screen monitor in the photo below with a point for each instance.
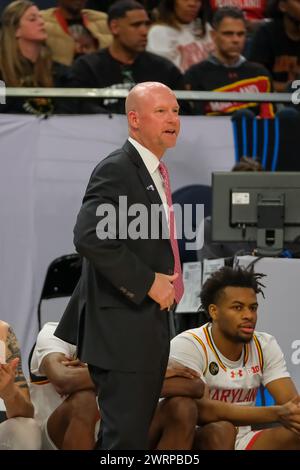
(256, 207)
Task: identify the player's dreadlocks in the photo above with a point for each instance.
(228, 277)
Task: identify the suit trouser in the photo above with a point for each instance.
(127, 402)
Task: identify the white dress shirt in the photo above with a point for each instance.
(152, 162)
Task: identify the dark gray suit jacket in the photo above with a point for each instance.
(114, 322)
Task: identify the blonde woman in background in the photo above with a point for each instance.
(25, 60)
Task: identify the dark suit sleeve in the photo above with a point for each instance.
(111, 256)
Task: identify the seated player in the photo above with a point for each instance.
(234, 360)
(18, 431)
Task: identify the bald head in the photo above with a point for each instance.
(142, 92)
(152, 114)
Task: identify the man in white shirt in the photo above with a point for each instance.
(131, 274)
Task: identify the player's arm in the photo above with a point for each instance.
(282, 390)
(182, 381)
(213, 410)
(185, 369)
(66, 377)
(182, 387)
(275, 376)
(13, 385)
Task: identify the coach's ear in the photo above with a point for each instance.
(133, 120)
(212, 310)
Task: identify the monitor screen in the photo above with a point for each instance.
(259, 207)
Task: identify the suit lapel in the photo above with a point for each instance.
(148, 184)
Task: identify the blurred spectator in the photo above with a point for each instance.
(180, 34)
(125, 62)
(19, 431)
(247, 164)
(276, 44)
(104, 5)
(254, 11)
(39, 4)
(227, 69)
(100, 5)
(25, 61)
(73, 31)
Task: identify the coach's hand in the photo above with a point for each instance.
(162, 290)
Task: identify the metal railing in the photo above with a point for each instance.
(122, 93)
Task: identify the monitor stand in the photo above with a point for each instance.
(269, 241)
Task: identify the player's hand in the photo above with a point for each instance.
(162, 290)
(175, 369)
(289, 415)
(7, 378)
(73, 363)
